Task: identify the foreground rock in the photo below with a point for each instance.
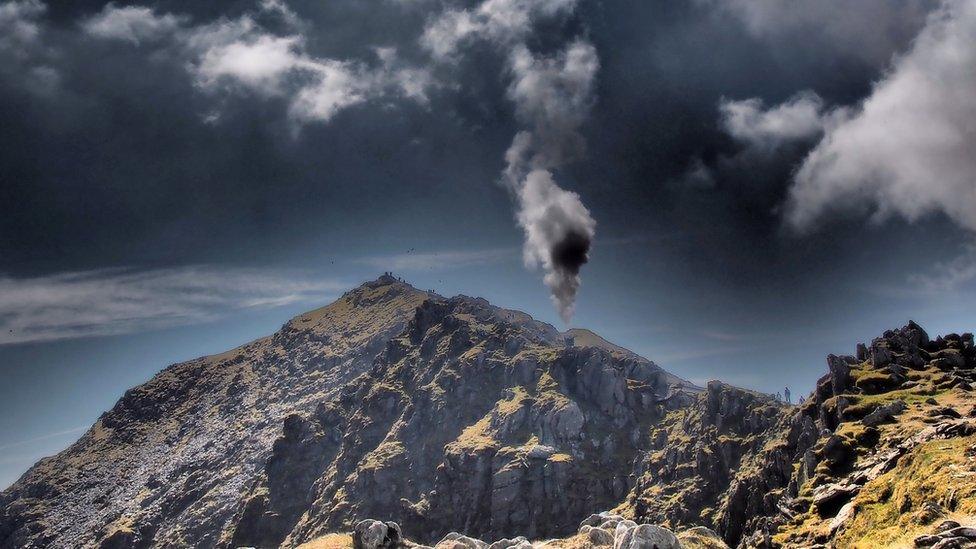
(599, 530)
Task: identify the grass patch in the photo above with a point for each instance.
(329, 541)
(937, 472)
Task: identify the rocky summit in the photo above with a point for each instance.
(396, 417)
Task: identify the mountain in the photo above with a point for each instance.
(451, 415)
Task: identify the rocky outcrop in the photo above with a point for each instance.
(373, 534)
(695, 453)
(856, 433)
(461, 421)
(599, 530)
(457, 427)
(444, 414)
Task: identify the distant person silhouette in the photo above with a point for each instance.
(786, 393)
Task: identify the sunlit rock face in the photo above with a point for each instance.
(391, 401)
(461, 421)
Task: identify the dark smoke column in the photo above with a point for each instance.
(558, 233)
(552, 95)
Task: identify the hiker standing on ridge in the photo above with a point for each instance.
(786, 393)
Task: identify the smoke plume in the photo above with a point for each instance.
(552, 96)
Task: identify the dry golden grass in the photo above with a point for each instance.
(887, 508)
(329, 541)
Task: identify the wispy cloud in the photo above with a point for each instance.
(694, 354)
(722, 335)
(116, 301)
(950, 275)
(439, 261)
(42, 438)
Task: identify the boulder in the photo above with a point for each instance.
(926, 540)
(831, 497)
(967, 532)
(838, 450)
(840, 371)
(455, 540)
(952, 543)
(929, 512)
(700, 537)
(513, 543)
(645, 536)
(884, 414)
(947, 525)
(596, 535)
(374, 534)
(605, 520)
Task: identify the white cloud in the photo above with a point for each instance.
(698, 176)
(233, 55)
(801, 117)
(106, 302)
(131, 23)
(24, 57)
(910, 148)
(19, 26)
(501, 21)
(948, 276)
(438, 261)
(872, 30)
(260, 62)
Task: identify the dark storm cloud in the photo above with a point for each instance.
(151, 155)
(128, 139)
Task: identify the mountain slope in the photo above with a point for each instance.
(452, 415)
(172, 458)
(882, 454)
(186, 458)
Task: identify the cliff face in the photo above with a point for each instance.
(697, 451)
(451, 415)
(170, 462)
(473, 419)
(391, 401)
(883, 454)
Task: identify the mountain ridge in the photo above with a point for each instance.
(453, 415)
(215, 400)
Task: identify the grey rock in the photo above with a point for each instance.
(947, 525)
(455, 540)
(884, 414)
(927, 540)
(598, 536)
(513, 543)
(951, 543)
(645, 536)
(373, 534)
(961, 532)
